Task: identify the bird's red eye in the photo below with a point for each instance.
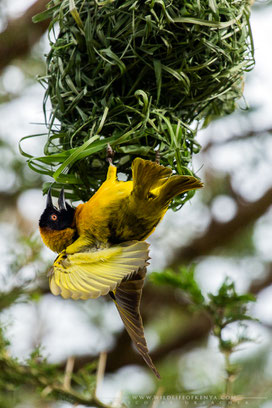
(54, 217)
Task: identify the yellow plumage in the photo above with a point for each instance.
(103, 251)
(123, 211)
(86, 275)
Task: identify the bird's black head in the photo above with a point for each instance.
(57, 218)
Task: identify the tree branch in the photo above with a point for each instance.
(219, 233)
(259, 284)
(21, 34)
(244, 136)
(36, 373)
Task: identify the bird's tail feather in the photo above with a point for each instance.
(153, 180)
(176, 185)
(127, 298)
(147, 176)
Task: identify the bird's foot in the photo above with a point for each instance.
(109, 154)
(60, 258)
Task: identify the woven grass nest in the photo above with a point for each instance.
(141, 75)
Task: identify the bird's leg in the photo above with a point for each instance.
(109, 154)
(111, 175)
(157, 157)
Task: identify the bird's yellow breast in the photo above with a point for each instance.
(93, 216)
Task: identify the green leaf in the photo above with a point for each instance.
(44, 15)
(158, 74)
(74, 12)
(212, 24)
(74, 156)
(183, 280)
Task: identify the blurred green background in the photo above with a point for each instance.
(224, 231)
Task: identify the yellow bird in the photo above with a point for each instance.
(101, 242)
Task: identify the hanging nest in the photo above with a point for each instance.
(140, 75)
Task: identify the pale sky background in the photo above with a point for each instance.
(60, 340)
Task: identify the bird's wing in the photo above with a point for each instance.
(85, 275)
(127, 298)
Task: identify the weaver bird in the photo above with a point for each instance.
(101, 242)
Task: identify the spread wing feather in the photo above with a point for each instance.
(127, 298)
(86, 275)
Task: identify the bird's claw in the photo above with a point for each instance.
(109, 154)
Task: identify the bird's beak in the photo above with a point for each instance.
(61, 201)
(49, 203)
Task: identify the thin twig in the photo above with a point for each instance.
(68, 373)
(228, 384)
(117, 403)
(157, 397)
(100, 370)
